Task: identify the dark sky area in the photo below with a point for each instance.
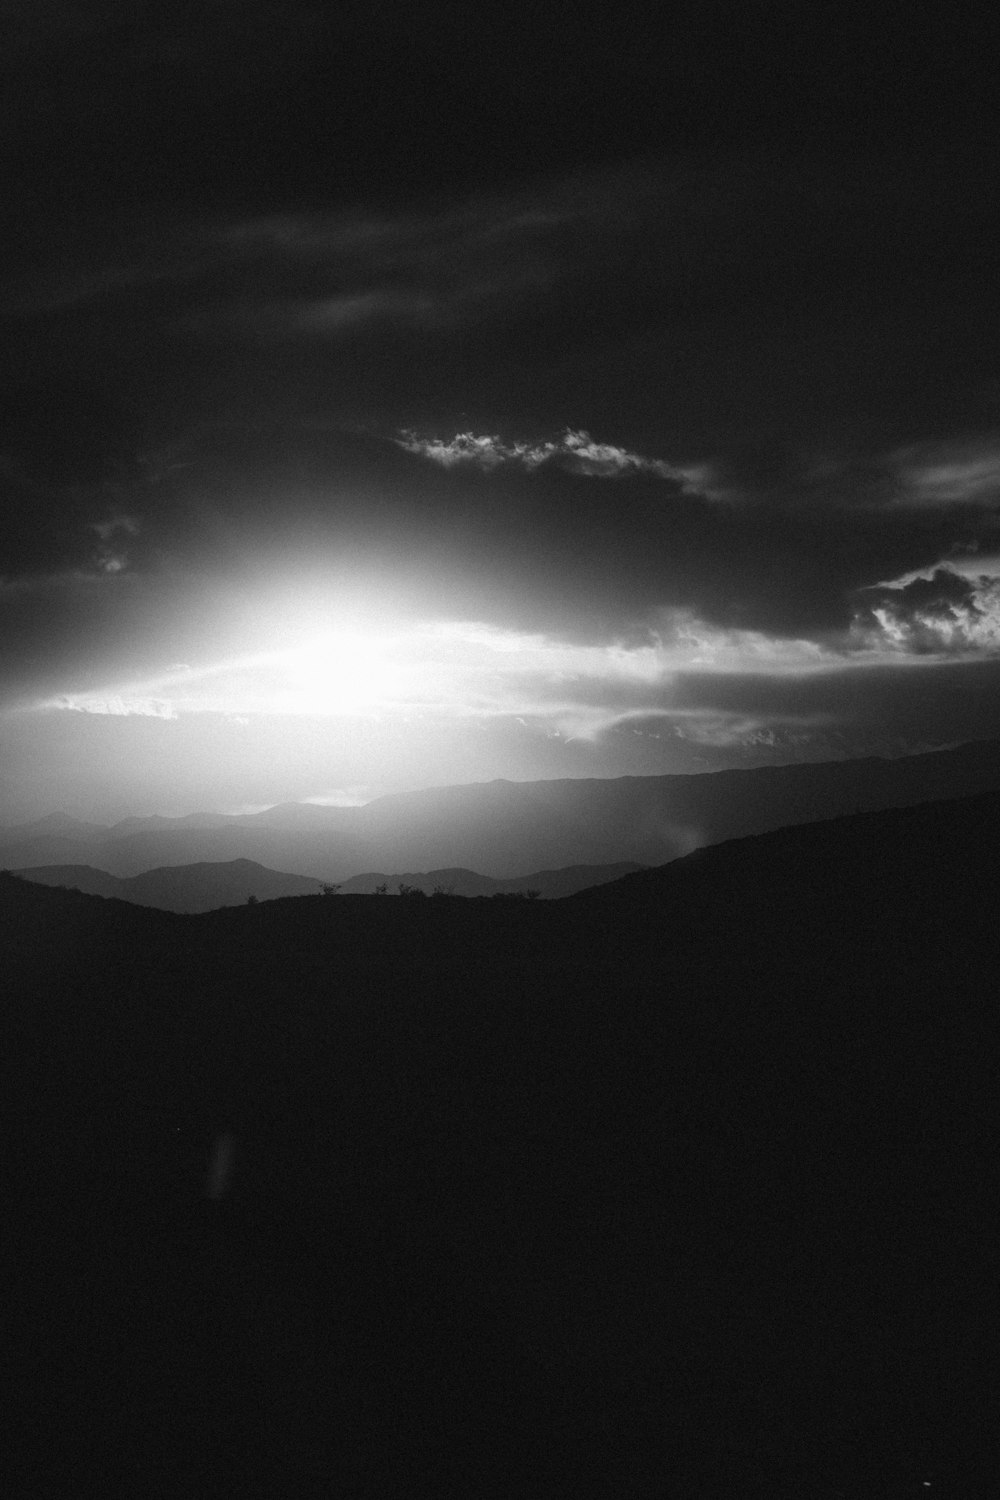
(400, 394)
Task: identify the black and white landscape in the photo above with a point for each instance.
(541, 469)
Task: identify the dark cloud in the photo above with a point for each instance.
(874, 708)
(792, 317)
(946, 612)
(586, 548)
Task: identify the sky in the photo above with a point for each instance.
(395, 395)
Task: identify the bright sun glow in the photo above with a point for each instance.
(341, 673)
(300, 666)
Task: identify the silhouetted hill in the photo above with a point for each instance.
(900, 860)
(550, 884)
(681, 1187)
(503, 828)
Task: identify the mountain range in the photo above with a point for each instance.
(207, 886)
(502, 829)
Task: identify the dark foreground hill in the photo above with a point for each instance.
(684, 1187)
(503, 828)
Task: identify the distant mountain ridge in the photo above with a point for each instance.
(180, 888)
(208, 886)
(502, 828)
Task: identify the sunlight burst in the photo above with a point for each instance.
(342, 673)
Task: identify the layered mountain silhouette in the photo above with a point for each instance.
(503, 828)
(204, 887)
(682, 1186)
(181, 888)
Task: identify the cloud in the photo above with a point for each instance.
(315, 272)
(961, 471)
(112, 556)
(326, 316)
(106, 529)
(576, 452)
(116, 704)
(946, 614)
